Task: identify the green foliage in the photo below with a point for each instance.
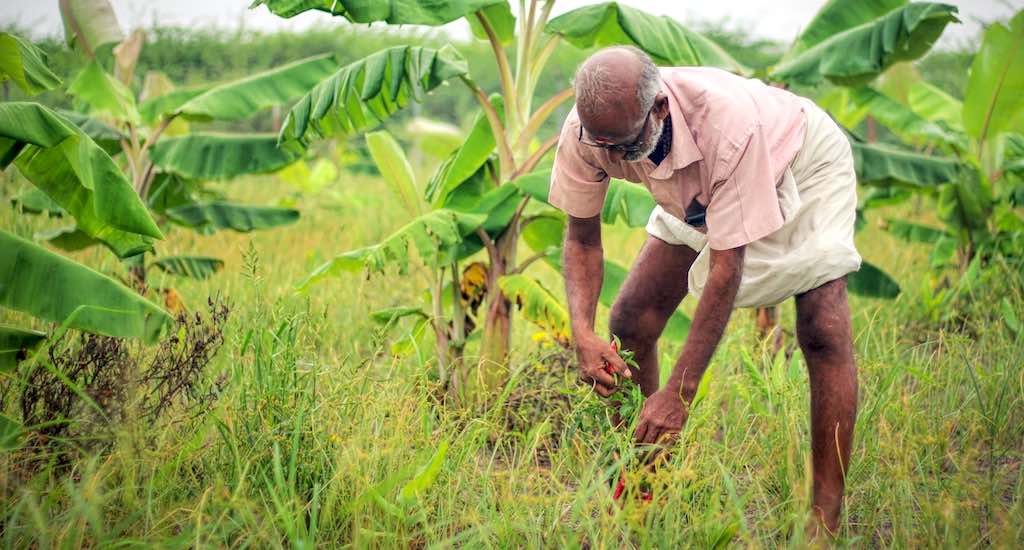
(395, 169)
(994, 101)
(243, 98)
(837, 16)
(54, 288)
(71, 169)
(872, 282)
(394, 12)
(104, 94)
(881, 164)
(208, 156)
(465, 161)
(25, 65)
(207, 217)
(193, 267)
(664, 39)
(365, 93)
(15, 343)
(90, 25)
(859, 54)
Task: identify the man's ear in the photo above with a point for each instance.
(661, 105)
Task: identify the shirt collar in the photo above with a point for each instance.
(684, 150)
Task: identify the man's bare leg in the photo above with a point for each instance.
(651, 293)
(823, 331)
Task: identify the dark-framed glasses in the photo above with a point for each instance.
(633, 146)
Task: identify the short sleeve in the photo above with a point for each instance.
(744, 204)
(578, 187)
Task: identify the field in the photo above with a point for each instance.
(318, 428)
(194, 391)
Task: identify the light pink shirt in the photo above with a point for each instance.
(732, 139)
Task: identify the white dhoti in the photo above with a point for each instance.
(818, 198)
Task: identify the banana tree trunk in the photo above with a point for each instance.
(497, 328)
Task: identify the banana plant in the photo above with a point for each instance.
(964, 156)
(154, 133)
(74, 175)
(504, 142)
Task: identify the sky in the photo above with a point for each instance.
(774, 19)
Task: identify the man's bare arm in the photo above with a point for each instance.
(583, 267)
(709, 321)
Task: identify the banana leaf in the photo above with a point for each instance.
(153, 107)
(661, 37)
(396, 170)
(104, 94)
(54, 288)
(872, 282)
(107, 137)
(627, 201)
(467, 159)
(207, 156)
(68, 239)
(859, 54)
(900, 119)
(432, 235)
(994, 99)
(25, 65)
(15, 343)
(193, 267)
(837, 16)
(211, 216)
(935, 105)
(394, 12)
(914, 232)
(243, 98)
(537, 305)
(880, 164)
(90, 25)
(501, 19)
(34, 201)
(58, 158)
(365, 93)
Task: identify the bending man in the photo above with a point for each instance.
(756, 198)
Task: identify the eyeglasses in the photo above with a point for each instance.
(632, 147)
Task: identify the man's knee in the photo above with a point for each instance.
(637, 326)
(823, 320)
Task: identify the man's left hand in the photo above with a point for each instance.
(661, 418)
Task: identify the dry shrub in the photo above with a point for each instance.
(93, 384)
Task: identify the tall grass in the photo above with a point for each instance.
(322, 437)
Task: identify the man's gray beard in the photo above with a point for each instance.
(647, 147)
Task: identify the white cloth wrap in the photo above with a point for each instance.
(818, 198)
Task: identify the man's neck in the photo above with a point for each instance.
(664, 143)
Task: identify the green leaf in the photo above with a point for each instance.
(837, 16)
(194, 267)
(160, 97)
(389, 315)
(995, 89)
(25, 65)
(943, 252)
(363, 94)
(396, 170)
(628, 201)
(15, 343)
(89, 25)
(52, 287)
(425, 477)
(434, 137)
(537, 305)
(545, 232)
(935, 105)
(58, 158)
(243, 98)
(879, 164)
(34, 201)
(872, 282)
(915, 232)
(465, 161)
(395, 12)
(208, 156)
(900, 119)
(664, 39)
(104, 94)
(108, 138)
(536, 184)
(169, 191)
(500, 17)
(1010, 317)
(885, 196)
(432, 235)
(211, 216)
(10, 434)
(859, 54)
(68, 239)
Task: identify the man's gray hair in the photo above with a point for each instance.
(598, 89)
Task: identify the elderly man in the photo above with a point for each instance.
(756, 199)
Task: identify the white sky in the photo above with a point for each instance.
(776, 19)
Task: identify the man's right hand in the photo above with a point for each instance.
(599, 363)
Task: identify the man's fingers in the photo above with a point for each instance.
(651, 435)
(618, 365)
(602, 377)
(602, 391)
(641, 431)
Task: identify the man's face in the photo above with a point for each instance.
(647, 140)
(630, 142)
